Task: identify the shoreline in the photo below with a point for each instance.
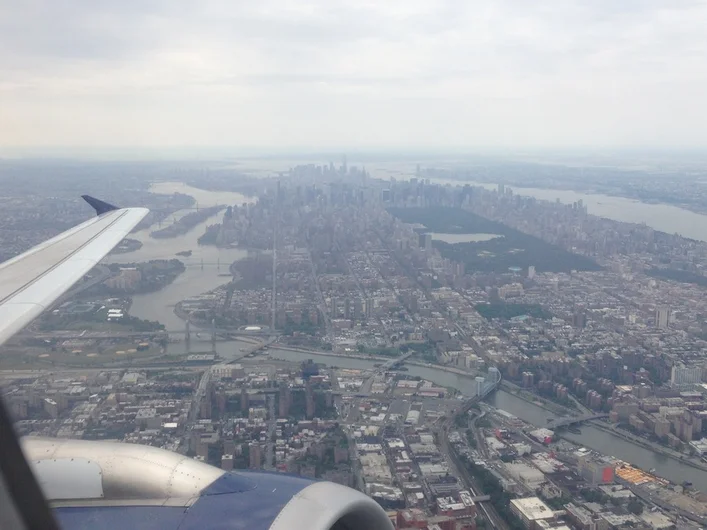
(591, 191)
(369, 357)
(542, 403)
(664, 451)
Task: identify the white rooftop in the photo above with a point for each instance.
(533, 508)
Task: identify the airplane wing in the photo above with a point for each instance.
(116, 486)
(31, 282)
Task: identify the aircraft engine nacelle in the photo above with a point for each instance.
(114, 485)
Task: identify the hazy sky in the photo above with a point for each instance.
(355, 73)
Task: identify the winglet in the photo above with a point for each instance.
(98, 205)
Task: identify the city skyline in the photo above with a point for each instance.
(431, 341)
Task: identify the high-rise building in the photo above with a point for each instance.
(681, 375)
(579, 318)
(480, 384)
(662, 315)
(425, 241)
(428, 242)
(255, 455)
(309, 399)
(369, 308)
(531, 272)
(357, 309)
(528, 379)
(285, 400)
(244, 400)
(229, 447)
(227, 462)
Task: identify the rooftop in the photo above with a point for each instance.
(533, 508)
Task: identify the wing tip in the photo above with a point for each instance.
(100, 206)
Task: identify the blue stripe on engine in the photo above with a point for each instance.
(249, 501)
(255, 509)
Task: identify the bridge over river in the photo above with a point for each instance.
(556, 423)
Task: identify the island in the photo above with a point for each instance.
(184, 253)
(138, 278)
(127, 245)
(183, 225)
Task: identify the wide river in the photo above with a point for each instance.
(663, 217)
(196, 279)
(160, 306)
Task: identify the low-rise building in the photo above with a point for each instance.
(531, 510)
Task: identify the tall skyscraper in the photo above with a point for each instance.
(662, 315)
(531, 272)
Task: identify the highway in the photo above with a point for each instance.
(487, 510)
(199, 395)
(269, 444)
(460, 469)
(321, 304)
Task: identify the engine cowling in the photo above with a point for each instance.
(114, 485)
(329, 506)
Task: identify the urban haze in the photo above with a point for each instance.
(450, 254)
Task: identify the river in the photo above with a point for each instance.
(591, 437)
(195, 280)
(160, 306)
(663, 217)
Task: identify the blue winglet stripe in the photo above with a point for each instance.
(100, 206)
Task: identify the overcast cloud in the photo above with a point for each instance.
(353, 73)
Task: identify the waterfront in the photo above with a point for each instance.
(160, 305)
(462, 238)
(196, 279)
(663, 217)
(591, 437)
